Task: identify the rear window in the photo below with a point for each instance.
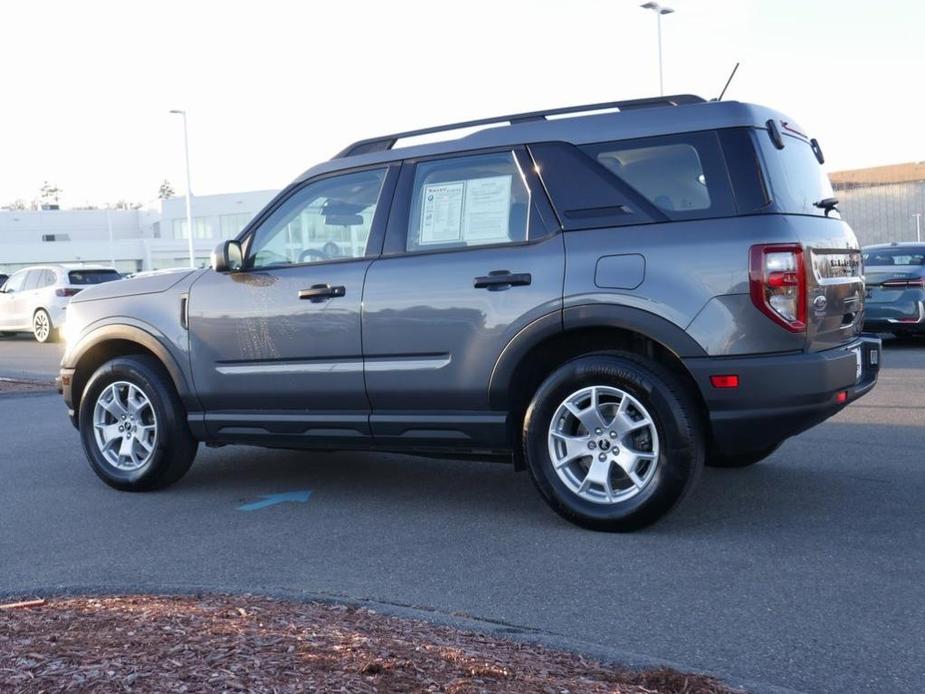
(895, 256)
(684, 176)
(796, 178)
(92, 276)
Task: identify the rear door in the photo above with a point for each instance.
(472, 256)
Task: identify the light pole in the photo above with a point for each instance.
(659, 10)
(189, 191)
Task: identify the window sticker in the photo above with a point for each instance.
(488, 209)
(441, 212)
(471, 211)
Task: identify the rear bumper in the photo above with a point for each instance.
(780, 396)
(908, 316)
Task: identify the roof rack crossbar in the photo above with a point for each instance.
(387, 142)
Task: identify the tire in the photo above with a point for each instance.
(741, 459)
(666, 455)
(43, 330)
(150, 460)
(7, 333)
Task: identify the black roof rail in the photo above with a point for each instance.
(387, 142)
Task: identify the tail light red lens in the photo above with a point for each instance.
(724, 381)
(777, 281)
(66, 291)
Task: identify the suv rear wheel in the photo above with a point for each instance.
(42, 328)
(613, 442)
(133, 426)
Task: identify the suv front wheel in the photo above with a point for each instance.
(133, 425)
(613, 441)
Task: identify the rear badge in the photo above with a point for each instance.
(820, 302)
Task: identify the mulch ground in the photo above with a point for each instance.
(242, 643)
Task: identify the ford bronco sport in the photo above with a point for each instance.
(609, 301)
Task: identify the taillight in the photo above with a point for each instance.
(777, 280)
(66, 291)
(904, 283)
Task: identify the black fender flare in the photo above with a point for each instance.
(143, 335)
(650, 325)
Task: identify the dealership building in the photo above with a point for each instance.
(884, 203)
(129, 240)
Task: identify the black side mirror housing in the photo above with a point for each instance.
(228, 257)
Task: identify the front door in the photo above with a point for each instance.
(275, 347)
(472, 257)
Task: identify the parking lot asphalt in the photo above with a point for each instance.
(806, 571)
(22, 357)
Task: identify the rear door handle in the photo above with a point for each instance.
(502, 279)
(321, 292)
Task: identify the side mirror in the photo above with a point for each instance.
(227, 257)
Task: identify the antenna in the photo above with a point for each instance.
(720, 97)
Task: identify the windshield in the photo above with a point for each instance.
(92, 276)
(796, 177)
(900, 255)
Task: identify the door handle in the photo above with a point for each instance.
(502, 279)
(321, 292)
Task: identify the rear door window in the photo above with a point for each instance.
(32, 279)
(683, 175)
(468, 201)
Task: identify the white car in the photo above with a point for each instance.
(35, 299)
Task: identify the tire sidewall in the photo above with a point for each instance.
(139, 373)
(679, 461)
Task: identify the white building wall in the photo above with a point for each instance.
(148, 239)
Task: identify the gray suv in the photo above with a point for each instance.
(609, 301)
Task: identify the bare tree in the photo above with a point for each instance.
(49, 194)
(166, 191)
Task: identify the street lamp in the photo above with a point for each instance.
(189, 191)
(659, 10)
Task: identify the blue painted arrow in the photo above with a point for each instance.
(273, 499)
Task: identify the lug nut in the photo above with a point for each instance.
(592, 445)
(597, 431)
(613, 434)
(602, 457)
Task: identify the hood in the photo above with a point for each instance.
(151, 284)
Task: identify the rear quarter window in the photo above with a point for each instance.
(683, 175)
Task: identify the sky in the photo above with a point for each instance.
(273, 87)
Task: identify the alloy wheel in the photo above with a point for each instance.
(125, 426)
(603, 444)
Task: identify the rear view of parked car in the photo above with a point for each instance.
(35, 299)
(895, 279)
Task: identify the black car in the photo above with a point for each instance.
(3, 279)
(895, 280)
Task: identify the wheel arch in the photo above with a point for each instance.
(543, 346)
(107, 342)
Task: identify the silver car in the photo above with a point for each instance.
(35, 299)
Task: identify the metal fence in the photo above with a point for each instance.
(881, 213)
